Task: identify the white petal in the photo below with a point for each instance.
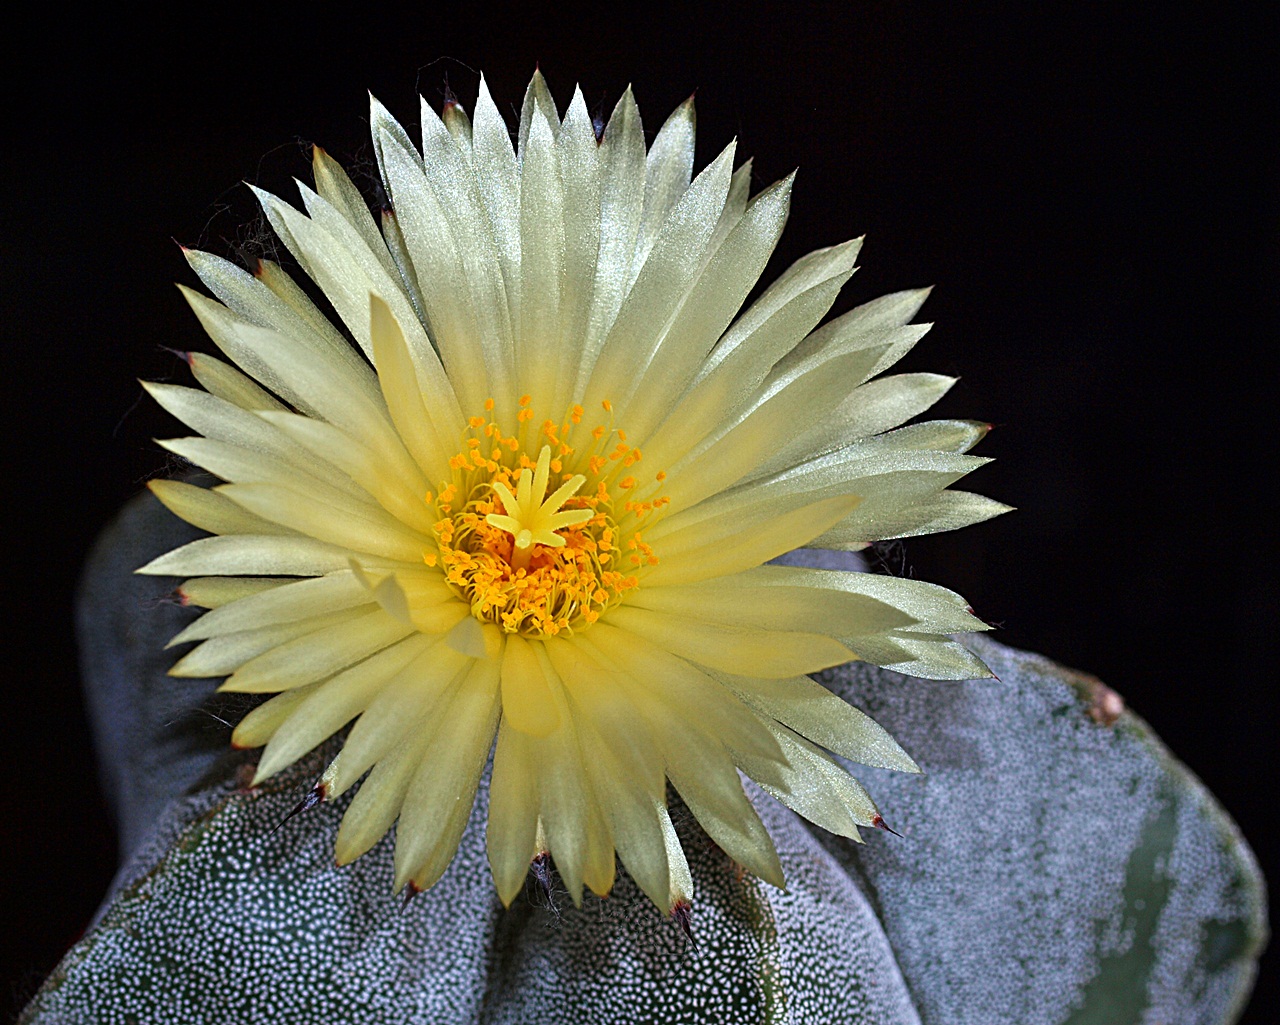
(541, 266)
(219, 656)
(712, 301)
(741, 361)
(220, 420)
(370, 530)
(336, 189)
(321, 654)
(696, 555)
(250, 555)
(333, 704)
(735, 204)
(297, 600)
(211, 511)
(662, 283)
(228, 384)
(771, 654)
(668, 169)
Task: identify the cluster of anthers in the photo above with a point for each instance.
(533, 563)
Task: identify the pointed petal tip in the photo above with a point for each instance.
(410, 890)
(312, 798)
(540, 866)
(682, 914)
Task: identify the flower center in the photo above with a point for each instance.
(543, 543)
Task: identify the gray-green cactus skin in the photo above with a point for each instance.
(1057, 866)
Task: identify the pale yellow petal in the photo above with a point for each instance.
(667, 690)
(370, 530)
(438, 803)
(227, 383)
(411, 699)
(293, 601)
(662, 283)
(542, 253)
(399, 382)
(380, 797)
(260, 725)
(696, 555)
(513, 811)
(597, 696)
(250, 555)
(814, 786)
(401, 494)
(332, 705)
(632, 818)
(747, 601)
(219, 656)
(814, 712)
(222, 421)
(241, 465)
(713, 299)
(668, 171)
(773, 654)
(211, 511)
(312, 657)
(527, 701)
(214, 592)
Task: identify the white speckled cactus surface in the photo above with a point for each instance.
(1056, 865)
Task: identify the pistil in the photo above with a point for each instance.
(529, 519)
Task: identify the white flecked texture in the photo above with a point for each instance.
(1053, 870)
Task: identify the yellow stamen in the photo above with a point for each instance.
(529, 542)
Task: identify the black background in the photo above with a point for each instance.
(1092, 189)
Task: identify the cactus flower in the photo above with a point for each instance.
(517, 490)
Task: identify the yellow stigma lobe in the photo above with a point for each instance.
(537, 546)
(529, 519)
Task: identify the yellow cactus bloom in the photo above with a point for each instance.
(535, 500)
